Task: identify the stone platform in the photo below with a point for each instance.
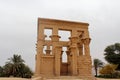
(69, 78)
(63, 78)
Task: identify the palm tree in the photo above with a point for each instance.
(1, 71)
(16, 61)
(16, 67)
(25, 72)
(97, 63)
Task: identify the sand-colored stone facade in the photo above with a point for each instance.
(78, 51)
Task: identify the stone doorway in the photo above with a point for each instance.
(64, 69)
(64, 62)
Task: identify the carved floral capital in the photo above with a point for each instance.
(86, 41)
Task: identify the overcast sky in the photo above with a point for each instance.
(18, 24)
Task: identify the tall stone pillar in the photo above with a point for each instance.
(58, 60)
(68, 55)
(55, 38)
(74, 60)
(73, 50)
(39, 46)
(68, 61)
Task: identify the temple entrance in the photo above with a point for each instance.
(64, 62)
(64, 69)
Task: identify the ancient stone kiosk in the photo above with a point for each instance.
(49, 63)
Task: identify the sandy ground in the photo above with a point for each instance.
(35, 79)
(13, 78)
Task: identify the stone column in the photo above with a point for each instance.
(73, 50)
(68, 54)
(55, 38)
(39, 46)
(68, 61)
(57, 60)
(74, 60)
(86, 42)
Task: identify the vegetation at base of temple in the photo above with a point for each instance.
(15, 67)
(112, 56)
(109, 71)
(97, 63)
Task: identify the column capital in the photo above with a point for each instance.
(55, 37)
(80, 44)
(73, 39)
(86, 41)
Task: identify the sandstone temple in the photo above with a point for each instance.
(49, 62)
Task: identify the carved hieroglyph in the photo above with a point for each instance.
(78, 51)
